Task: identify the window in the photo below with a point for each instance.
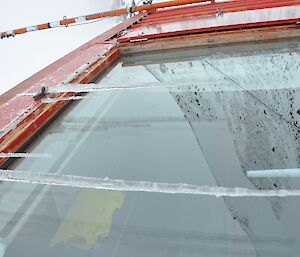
(204, 117)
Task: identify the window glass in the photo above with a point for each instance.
(204, 117)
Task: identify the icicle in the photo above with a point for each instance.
(78, 88)
(279, 173)
(25, 155)
(71, 98)
(137, 186)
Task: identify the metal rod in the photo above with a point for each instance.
(116, 12)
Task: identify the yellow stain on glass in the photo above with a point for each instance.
(89, 218)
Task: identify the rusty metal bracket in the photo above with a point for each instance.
(42, 92)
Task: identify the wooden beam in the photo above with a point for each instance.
(237, 36)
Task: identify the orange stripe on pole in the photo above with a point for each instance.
(117, 12)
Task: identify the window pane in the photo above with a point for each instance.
(204, 117)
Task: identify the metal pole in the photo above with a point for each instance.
(117, 12)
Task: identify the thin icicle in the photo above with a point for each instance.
(80, 88)
(25, 155)
(85, 88)
(137, 186)
(71, 98)
(77, 88)
(277, 173)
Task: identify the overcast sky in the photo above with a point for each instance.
(24, 55)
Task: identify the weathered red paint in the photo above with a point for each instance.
(240, 36)
(200, 10)
(67, 58)
(41, 113)
(12, 105)
(230, 20)
(208, 10)
(24, 102)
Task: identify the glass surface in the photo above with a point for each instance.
(59, 221)
(208, 117)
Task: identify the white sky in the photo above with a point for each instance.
(24, 55)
